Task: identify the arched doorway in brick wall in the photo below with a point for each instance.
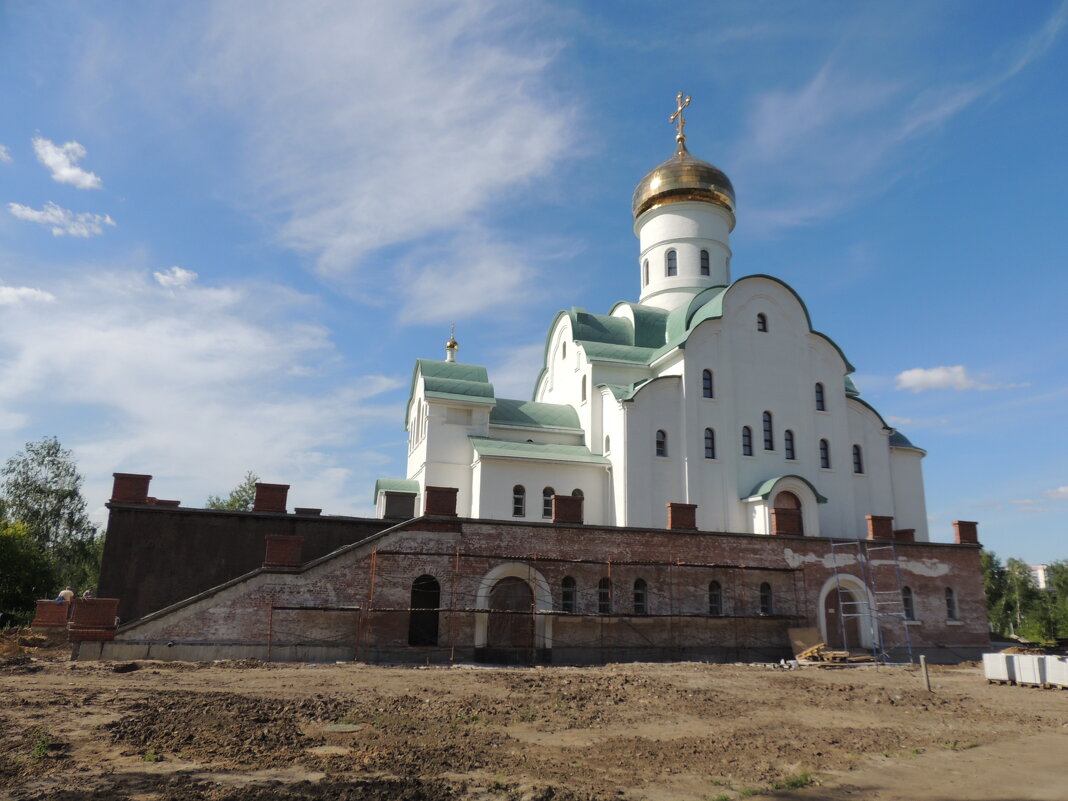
(845, 603)
(423, 617)
(510, 629)
(786, 517)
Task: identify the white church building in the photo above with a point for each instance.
(705, 391)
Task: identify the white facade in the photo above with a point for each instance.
(650, 403)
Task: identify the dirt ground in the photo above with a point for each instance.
(243, 731)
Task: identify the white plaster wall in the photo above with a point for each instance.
(496, 478)
(910, 504)
(654, 480)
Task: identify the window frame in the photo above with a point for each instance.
(519, 501)
(821, 397)
(641, 597)
(661, 443)
(708, 383)
(604, 596)
(762, 322)
(671, 263)
(952, 613)
(858, 460)
(710, 443)
(769, 431)
(908, 603)
(789, 446)
(747, 441)
(568, 595)
(715, 591)
(825, 455)
(706, 263)
(767, 599)
(547, 502)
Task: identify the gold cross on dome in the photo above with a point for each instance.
(678, 119)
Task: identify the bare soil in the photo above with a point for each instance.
(244, 731)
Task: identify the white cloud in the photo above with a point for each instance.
(5, 155)
(898, 421)
(62, 221)
(175, 277)
(194, 387)
(12, 295)
(921, 379)
(1058, 494)
(61, 160)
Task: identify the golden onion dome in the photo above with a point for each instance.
(683, 177)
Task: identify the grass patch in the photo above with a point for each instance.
(794, 782)
(41, 743)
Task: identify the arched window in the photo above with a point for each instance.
(607, 444)
(423, 614)
(583, 389)
(645, 272)
(519, 500)
(547, 502)
(858, 460)
(762, 322)
(951, 604)
(747, 441)
(908, 603)
(568, 594)
(715, 598)
(563, 350)
(788, 444)
(705, 265)
(825, 454)
(577, 493)
(671, 263)
(641, 606)
(707, 387)
(767, 607)
(604, 596)
(769, 433)
(821, 405)
(710, 444)
(661, 442)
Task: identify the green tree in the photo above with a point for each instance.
(240, 498)
(27, 573)
(1021, 591)
(995, 587)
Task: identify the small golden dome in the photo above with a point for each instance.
(683, 177)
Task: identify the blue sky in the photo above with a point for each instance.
(228, 229)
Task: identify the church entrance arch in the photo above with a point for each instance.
(786, 515)
(510, 630)
(845, 604)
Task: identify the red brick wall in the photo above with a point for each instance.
(50, 615)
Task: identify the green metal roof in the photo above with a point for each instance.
(899, 440)
(535, 450)
(650, 324)
(851, 387)
(534, 415)
(763, 489)
(604, 352)
(395, 485)
(588, 327)
(468, 383)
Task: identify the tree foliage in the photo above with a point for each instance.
(241, 497)
(1015, 604)
(27, 572)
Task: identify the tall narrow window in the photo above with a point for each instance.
(769, 433)
(747, 441)
(563, 350)
(762, 322)
(423, 614)
(710, 444)
(707, 387)
(908, 603)
(705, 264)
(858, 460)
(767, 607)
(661, 443)
(547, 502)
(641, 596)
(825, 454)
(607, 444)
(951, 604)
(671, 263)
(821, 405)
(645, 272)
(604, 596)
(583, 389)
(519, 501)
(568, 595)
(788, 444)
(715, 598)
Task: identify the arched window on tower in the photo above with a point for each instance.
(769, 433)
(705, 263)
(547, 502)
(825, 454)
(767, 605)
(568, 595)
(710, 444)
(788, 444)
(661, 442)
(715, 598)
(821, 404)
(671, 263)
(858, 460)
(519, 501)
(762, 322)
(641, 597)
(707, 387)
(645, 273)
(747, 441)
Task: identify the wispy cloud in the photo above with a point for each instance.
(5, 155)
(12, 295)
(62, 161)
(1058, 494)
(175, 277)
(922, 379)
(62, 221)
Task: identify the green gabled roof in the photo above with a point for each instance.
(535, 450)
(764, 488)
(622, 393)
(395, 485)
(604, 352)
(451, 381)
(531, 414)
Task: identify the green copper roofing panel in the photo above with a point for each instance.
(763, 489)
(395, 485)
(455, 370)
(601, 328)
(535, 450)
(650, 323)
(899, 440)
(604, 352)
(851, 387)
(451, 381)
(455, 387)
(536, 415)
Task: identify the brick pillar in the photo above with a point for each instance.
(880, 527)
(965, 532)
(682, 516)
(567, 509)
(905, 535)
(50, 615)
(440, 501)
(93, 619)
(283, 550)
(130, 488)
(270, 498)
(398, 505)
